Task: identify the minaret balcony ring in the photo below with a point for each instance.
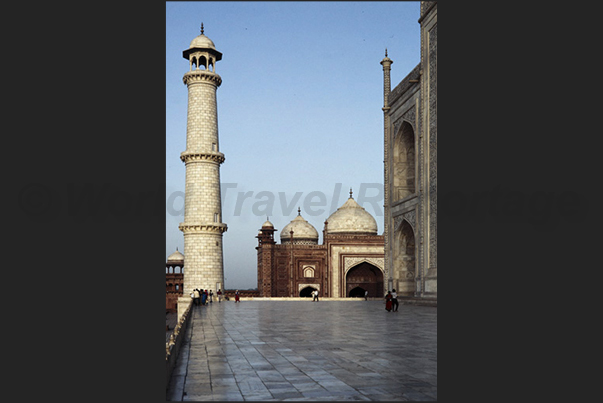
(208, 156)
(199, 76)
(217, 228)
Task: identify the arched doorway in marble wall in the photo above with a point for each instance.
(404, 259)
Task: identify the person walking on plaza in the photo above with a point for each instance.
(315, 295)
(203, 297)
(219, 293)
(366, 295)
(195, 295)
(388, 301)
(211, 296)
(237, 296)
(394, 301)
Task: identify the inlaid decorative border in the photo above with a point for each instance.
(351, 261)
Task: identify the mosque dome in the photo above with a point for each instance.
(351, 218)
(303, 232)
(176, 257)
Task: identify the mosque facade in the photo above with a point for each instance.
(349, 261)
(410, 169)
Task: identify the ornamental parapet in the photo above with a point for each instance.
(426, 7)
(217, 228)
(188, 156)
(408, 82)
(200, 76)
(353, 236)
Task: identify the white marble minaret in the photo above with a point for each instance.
(202, 226)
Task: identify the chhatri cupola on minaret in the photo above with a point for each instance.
(202, 226)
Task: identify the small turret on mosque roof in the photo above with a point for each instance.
(175, 257)
(268, 223)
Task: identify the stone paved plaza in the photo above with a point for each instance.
(304, 350)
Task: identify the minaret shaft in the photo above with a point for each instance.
(386, 63)
(202, 116)
(202, 226)
(202, 193)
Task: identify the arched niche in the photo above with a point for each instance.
(404, 162)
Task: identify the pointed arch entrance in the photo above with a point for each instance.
(362, 277)
(404, 259)
(357, 292)
(306, 292)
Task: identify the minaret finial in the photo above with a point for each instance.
(202, 32)
(351, 193)
(385, 52)
(298, 211)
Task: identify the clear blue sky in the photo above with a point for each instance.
(299, 111)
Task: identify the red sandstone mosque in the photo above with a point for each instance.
(349, 261)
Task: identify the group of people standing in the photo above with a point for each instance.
(203, 297)
(391, 301)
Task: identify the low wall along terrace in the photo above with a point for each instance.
(172, 346)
